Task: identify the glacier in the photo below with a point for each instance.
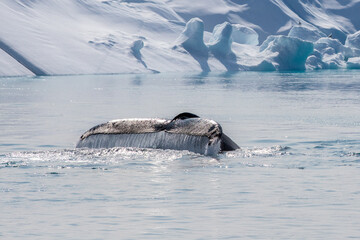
(61, 37)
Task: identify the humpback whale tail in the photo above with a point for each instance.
(186, 131)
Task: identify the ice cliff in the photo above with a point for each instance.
(49, 37)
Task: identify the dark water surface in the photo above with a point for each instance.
(297, 175)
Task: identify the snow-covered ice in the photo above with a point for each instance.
(220, 46)
(287, 53)
(353, 40)
(330, 54)
(307, 34)
(353, 63)
(192, 40)
(244, 35)
(220, 41)
(10, 67)
(97, 36)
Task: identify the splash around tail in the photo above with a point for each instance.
(186, 131)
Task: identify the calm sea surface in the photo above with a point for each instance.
(296, 176)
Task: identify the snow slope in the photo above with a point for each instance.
(46, 37)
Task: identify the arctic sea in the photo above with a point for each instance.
(296, 176)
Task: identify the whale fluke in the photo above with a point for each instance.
(186, 131)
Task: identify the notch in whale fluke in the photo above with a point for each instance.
(186, 131)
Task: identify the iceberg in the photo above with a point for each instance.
(192, 40)
(244, 35)
(353, 40)
(220, 41)
(306, 34)
(329, 54)
(220, 46)
(137, 46)
(264, 66)
(287, 53)
(353, 63)
(137, 36)
(314, 61)
(332, 46)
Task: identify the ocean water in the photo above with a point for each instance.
(296, 176)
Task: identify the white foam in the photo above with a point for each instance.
(258, 152)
